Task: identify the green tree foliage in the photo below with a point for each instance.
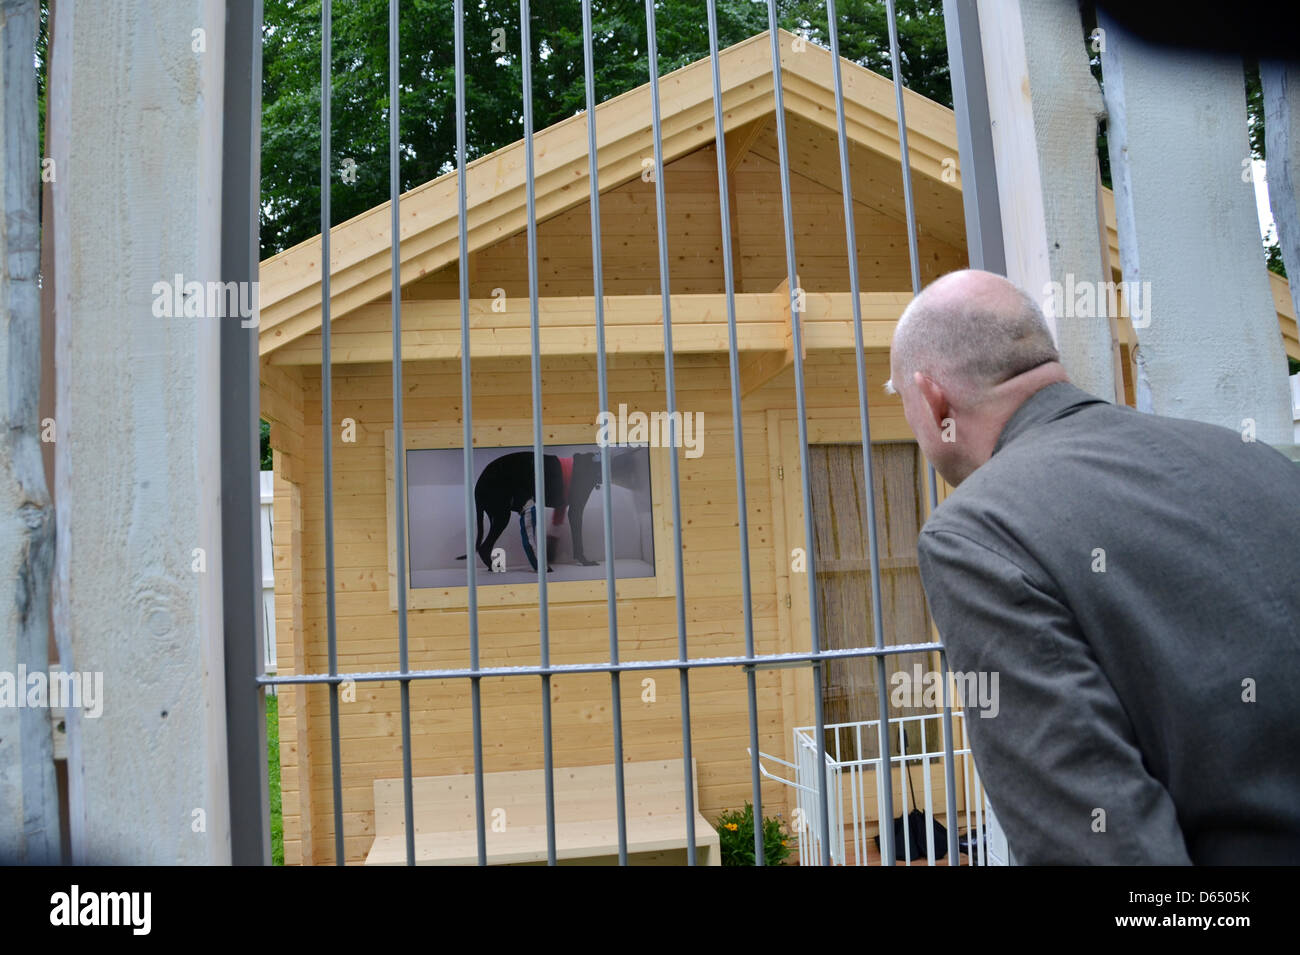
(494, 114)
(864, 39)
(264, 435)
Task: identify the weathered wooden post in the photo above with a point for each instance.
(1044, 107)
(1189, 234)
(136, 99)
(1281, 82)
(29, 804)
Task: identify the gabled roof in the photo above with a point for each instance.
(290, 292)
(360, 249)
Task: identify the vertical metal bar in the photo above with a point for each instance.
(906, 790)
(327, 432)
(985, 248)
(949, 771)
(399, 432)
(602, 387)
(979, 793)
(929, 795)
(742, 508)
(796, 322)
(860, 823)
(670, 391)
(970, 100)
(909, 206)
(885, 811)
(970, 797)
(539, 483)
(467, 435)
(241, 552)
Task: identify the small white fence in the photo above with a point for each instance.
(845, 778)
(268, 575)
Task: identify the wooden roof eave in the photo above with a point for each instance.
(634, 326)
(290, 293)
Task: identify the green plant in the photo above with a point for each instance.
(736, 833)
(273, 778)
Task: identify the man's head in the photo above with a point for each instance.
(966, 353)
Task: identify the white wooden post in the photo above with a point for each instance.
(136, 101)
(29, 803)
(1044, 105)
(1185, 208)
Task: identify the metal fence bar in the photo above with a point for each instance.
(737, 427)
(762, 661)
(970, 100)
(949, 770)
(539, 483)
(909, 204)
(327, 431)
(906, 789)
(399, 432)
(979, 184)
(467, 438)
(670, 402)
(602, 388)
(241, 557)
(750, 661)
(796, 324)
(886, 809)
(914, 261)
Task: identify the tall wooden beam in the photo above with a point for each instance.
(1189, 232)
(138, 594)
(1044, 105)
(1281, 82)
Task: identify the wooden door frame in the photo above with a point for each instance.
(837, 426)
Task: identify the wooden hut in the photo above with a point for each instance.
(365, 448)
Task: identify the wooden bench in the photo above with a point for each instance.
(515, 817)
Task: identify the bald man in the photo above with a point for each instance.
(1133, 580)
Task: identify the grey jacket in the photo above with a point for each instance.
(1134, 581)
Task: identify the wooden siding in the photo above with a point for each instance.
(367, 628)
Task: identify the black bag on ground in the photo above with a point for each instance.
(916, 837)
(916, 833)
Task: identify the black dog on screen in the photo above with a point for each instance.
(507, 486)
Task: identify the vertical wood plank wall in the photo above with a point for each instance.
(629, 242)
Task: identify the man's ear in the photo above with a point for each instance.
(933, 395)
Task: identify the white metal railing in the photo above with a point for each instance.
(268, 574)
(845, 771)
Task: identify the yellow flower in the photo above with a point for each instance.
(732, 826)
(784, 843)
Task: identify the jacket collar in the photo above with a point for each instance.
(1057, 400)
